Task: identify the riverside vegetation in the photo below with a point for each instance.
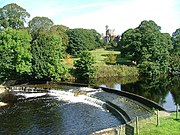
(38, 51)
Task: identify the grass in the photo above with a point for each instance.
(106, 63)
(168, 126)
(101, 54)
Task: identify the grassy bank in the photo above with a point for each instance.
(116, 71)
(107, 64)
(168, 126)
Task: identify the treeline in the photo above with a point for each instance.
(37, 51)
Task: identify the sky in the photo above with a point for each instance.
(96, 14)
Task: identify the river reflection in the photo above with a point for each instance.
(163, 90)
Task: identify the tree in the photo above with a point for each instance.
(48, 52)
(38, 24)
(14, 53)
(131, 41)
(81, 40)
(12, 15)
(84, 67)
(175, 53)
(176, 41)
(147, 47)
(62, 32)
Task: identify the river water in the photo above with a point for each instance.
(163, 90)
(53, 114)
(50, 114)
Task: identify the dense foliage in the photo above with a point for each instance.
(14, 53)
(176, 41)
(147, 47)
(82, 39)
(61, 31)
(48, 52)
(84, 67)
(175, 54)
(38, 24)
(37, 51)
(13, 16)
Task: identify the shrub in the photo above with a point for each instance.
(84, 67)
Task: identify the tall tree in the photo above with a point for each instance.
(14, 53)
(81, 40)
(176, 41)
(12, 15)
(84, 67)
(62, 32)
(148, 47)
(38, 24)
(175, 55)
(48, 52)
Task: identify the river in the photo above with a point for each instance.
(163, 90)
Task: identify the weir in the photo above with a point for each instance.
(99, 104)
(149, 103)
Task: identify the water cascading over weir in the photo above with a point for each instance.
(89, 108)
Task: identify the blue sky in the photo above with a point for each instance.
(118, 14)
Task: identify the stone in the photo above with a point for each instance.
(3, 104)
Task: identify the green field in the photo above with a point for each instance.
(101, 55)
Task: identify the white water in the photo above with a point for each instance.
(67, 96)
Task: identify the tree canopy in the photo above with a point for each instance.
(61, 31)
(12, 15)
(176, 41)
(14, 53)
(84, 67)
(48, 52)
(38, 24)
(147, 47)
(82, 39)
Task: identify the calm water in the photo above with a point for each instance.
(164, 90)
(49, 115)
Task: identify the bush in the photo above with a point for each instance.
(84, 69)
(111, 58)
(117, 71)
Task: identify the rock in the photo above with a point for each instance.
(3, 104)
(2, 89)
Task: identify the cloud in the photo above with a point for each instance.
(124, 15)
(118, 14)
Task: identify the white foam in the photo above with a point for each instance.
(30, 95)
(69, 96)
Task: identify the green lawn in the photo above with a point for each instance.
(168, 126)
(101, 54)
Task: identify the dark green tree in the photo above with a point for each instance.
(62, 32)
(81, 40)
(175, 53)
(38, 24)
(147, 47)
(14, 53)
(12, 15)
(176, 41)
(48, 52)
(84, 67)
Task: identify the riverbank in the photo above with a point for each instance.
(168, 125)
